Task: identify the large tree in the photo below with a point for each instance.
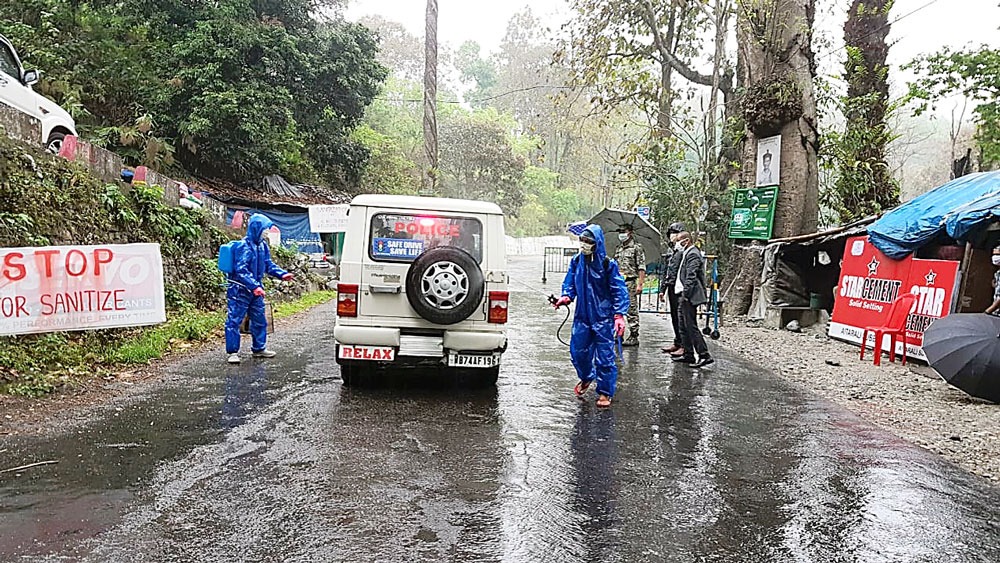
(637, 58)
(864, 185)
(776, 72)
(478, 160)
(629, 51)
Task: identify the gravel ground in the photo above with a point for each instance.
(913, 401)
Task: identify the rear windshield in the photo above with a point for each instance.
(401, 238)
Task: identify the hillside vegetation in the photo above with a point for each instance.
(47, 200)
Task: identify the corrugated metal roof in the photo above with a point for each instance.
(273, 190)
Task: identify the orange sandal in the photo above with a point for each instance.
(581, 388)
(603, 402)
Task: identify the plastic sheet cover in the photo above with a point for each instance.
(957, 208)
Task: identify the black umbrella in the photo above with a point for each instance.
(645, 234)
(965, 350)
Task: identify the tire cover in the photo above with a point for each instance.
(447, 265)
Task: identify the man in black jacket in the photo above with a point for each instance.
(667, 288)
(691, 286)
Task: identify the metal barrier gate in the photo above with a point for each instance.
(557, 259)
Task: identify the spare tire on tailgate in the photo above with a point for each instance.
(445, 285)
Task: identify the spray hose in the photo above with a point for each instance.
(552, 301)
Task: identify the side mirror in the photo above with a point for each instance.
(30, 77)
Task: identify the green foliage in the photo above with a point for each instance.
(478, 160)
(35, 365)
(864, 185)
(973, 73)
(769, 104)
(137, 144)
(151, 344)
(47, 200)
(20, 227)
(308, 301)
(482, 73)
(678, 191)
(389, 170)
(283, 255)
(547, 208)
(231, 88)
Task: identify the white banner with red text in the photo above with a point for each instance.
(62, 288)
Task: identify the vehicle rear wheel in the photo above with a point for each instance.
(55, 141)
(353, 375)
(478, 378)
(445, 285)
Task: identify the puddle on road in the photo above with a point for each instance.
(103, 459)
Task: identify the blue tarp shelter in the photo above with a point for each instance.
(294, 227)
(956, 209)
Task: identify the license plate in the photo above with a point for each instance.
(367, 353)
(473, 361)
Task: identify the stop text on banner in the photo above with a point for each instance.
(61, 288)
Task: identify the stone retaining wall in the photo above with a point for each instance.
(20, 126)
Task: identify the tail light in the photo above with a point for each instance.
(498, 307)
(347, 300)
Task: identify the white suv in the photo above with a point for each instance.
(423, 283)
(16, 91)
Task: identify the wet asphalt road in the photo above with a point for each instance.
(276, 461)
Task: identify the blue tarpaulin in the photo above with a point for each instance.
(294, 227)
(956, 208)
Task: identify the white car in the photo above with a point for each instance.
(423, 283)
(16, 91)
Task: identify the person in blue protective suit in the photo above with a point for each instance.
(246, 289)
(602, 299)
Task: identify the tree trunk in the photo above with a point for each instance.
(775, 41)
(776, 68)
(865, 185)
(430, 99)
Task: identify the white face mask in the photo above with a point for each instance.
(623, 237)
(586, 248)
(996, 260)
(679, 245)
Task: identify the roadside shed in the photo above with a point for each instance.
(959, 221)
(286, 204)
(799, 275)
(936, 247)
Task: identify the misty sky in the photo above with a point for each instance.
(944, 22)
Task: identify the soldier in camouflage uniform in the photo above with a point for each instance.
(631, 259)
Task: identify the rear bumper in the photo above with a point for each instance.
(419, 349)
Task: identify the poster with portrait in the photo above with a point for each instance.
(768, 161)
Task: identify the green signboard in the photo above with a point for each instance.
(753, 213)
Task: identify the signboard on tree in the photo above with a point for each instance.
(59, 288)
(753, 213)
(870, 281)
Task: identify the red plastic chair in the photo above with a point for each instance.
(895, 328)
